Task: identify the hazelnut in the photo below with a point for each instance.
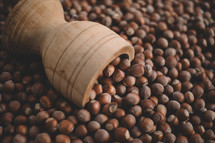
(94, 107)
(146, 138)
(136, 110)
(81, 130)
(109, 88)
(66, 127)
(181, 139)
(102, 136)
(128, 121)
(146, 124)
(104, 98)
(157, 136)
(93, 126)
(121, 134)
(135, 132)
(43, 138)
(129, 81)
(137, 70)
(101, 118)
(132, 99)
(109, 70)
(169, 138)
(51, 124)
(157, 89)
(110, 108)
(158, 118)
(61, 138)
(83, 115)
(58, 115)
(19, 138)
(118, 75)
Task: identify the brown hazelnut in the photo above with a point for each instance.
(145, 92)
(93, 126)
(182, 114)
(165, 128)
(171, 61)
(162, 43)
(133, 89)
(169, 138)
(66, 127)
(43, 138)
(137, 70)
(162, 79)
(189, 97)
(132, 99)
(61, 138)
(157, 89)
(181, 139)
(141, 81)
(116, 61)
(51, 124)
(154, 99)
(159, 61)
(187, 128)
(88, 139)
(124, 64)
(121, 134)
(173, 120)
(173, 105)
(8, 86)
(22, 129)
(163, 99)
(83, 115)
(42, 116)
(19, 138)
(135, 132)
(158, 118)
(109, 88)
(196, 138)
(102, 136)
(14, 106)
(58, 115)
(81, 130)
(209, 115)
(146, 138)
(128, 121)
(147, 103)
(129, 81)
(157, 136)
(101, 118)
(198, 91)
(109, 70)
(98, 89)
(94, 107)
(146, 124)
(45, 102)
(162, 109)
(178, 96)
(199, 103)
(104, 98)
(118, 75)
(120, 89)
(110, 108)
(111, 124)
(136, 110)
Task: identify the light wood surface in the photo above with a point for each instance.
(73, 53)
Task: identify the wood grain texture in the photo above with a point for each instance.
(73, 53)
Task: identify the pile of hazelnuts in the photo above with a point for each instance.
(166, 94)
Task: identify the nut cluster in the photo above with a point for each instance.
(166, 94)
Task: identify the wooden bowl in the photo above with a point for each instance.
(73, 53)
